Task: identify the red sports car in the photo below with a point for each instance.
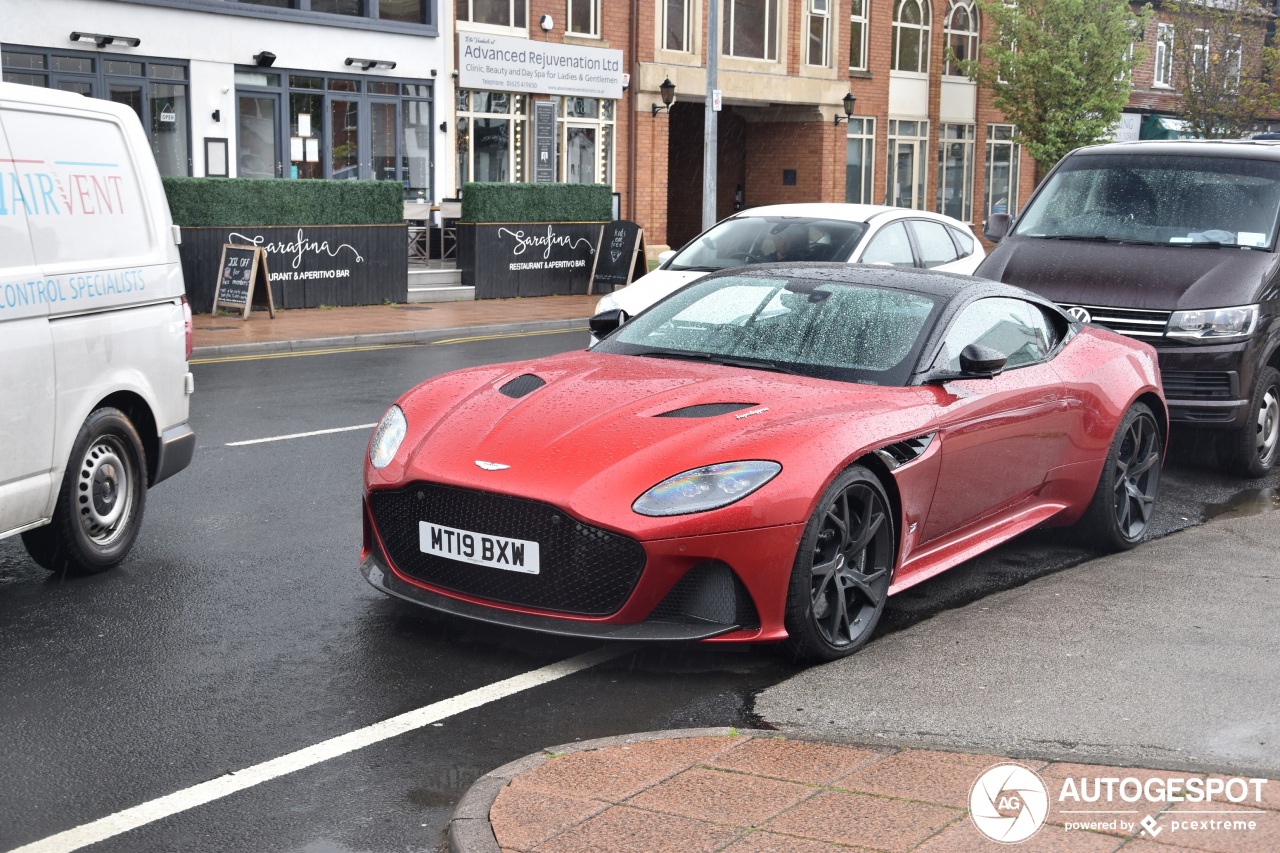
(765, 455)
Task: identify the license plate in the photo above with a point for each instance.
(481, 549)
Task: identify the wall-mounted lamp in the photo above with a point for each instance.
(265, 59)
(217, 115)
(668, 90)
(848, 101)
(102, 40)
(366, 64)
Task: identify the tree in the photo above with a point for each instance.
(1061, 70)
(1222, 64)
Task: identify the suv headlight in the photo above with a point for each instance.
(1213, 325)
(710, 487)
(387, 437)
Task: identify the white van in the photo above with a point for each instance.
(95, 330)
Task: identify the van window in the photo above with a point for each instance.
(1171, 199)
(74, 179)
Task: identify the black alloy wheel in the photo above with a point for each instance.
(1120, 513)
(842, 571)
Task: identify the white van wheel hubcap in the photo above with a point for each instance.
(104, 492)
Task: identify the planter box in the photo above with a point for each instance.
(502, 260)
(310, 265)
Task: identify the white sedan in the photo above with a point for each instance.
(845, 233)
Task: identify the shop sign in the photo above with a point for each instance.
(544, 142)
(504, 64)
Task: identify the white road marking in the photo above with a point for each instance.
(214, 789)
(300, 435)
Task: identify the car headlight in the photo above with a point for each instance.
(710, 487)
(1214, 325)
(606, 303)
(387, 437)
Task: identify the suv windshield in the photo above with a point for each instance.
(1179, 200)
(765, 239)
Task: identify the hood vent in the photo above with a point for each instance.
(523, 384)
(900, 453)
(706, 410)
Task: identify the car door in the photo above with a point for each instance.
(1000, 437)
(890, 246)
(942, 248)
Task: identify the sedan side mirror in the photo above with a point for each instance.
(996, 227)
(979, 362)
(606, 321)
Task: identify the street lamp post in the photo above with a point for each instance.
(711, 148)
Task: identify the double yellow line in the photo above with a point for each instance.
(333, 350)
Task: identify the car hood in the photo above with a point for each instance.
(1123, 275)
(639, 295)
(599, 433)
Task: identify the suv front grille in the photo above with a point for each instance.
(584, 570)
(1198, 384)
(1145, 325)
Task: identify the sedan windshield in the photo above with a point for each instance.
(811, 327)
(764, 239)
(1175, 200)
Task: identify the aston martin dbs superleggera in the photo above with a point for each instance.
(765, 455)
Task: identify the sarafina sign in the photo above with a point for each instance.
(535, 259)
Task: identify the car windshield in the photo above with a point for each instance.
(1177, 200)
(764, 239)
(810, 326)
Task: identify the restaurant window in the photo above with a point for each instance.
(491, 136)
(155, 89)
(1003, 154)
(961, 35)
(584, 17)
(819, 42)
(910, 48)
(858, 25)
(908, 163)
(955, 171)
(587, 142)
(751, 29)
(498, 13)
(859, 157)
(677, 28)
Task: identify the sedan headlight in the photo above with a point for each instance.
(387, 437)
(606, 303)
(1214, 325)
(710, 487)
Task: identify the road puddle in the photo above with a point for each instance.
(1248, 502)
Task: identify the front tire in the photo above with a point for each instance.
(1120, 513)
(1252, 451)
(841, 575)
(100, 503)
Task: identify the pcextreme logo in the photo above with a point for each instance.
(1009, 803)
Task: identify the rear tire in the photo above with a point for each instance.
(100, 503)
(1252, 450)
(841, 575)
(1120, 513)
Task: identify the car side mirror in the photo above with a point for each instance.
(979, 362)
(606, 321)
(663, 257)
(996, 227)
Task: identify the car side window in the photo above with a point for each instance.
(890, 246)
(1021, 331)
(936, 246)
(964, 241)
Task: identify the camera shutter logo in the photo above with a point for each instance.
(1009, 803)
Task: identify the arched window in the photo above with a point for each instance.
(910, 36)
(961, 35)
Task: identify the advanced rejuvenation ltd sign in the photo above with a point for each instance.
(522, 65)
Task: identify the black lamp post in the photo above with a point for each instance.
(848, 101)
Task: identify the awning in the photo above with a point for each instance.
(1165, 127)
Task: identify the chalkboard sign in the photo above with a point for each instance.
(621, 249)
(237, 276)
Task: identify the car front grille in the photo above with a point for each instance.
(1143, 324)
(584, 570)
(1198, 384)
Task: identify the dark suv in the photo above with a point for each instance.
(1172, 243)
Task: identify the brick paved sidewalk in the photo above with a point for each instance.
(756, 792)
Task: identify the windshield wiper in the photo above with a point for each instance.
(1092, 238)
(675, 268)
(715, 358)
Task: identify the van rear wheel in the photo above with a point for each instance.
(1253, 450)
(100, 503)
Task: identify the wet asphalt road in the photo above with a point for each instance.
(239, 630)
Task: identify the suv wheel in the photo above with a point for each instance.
(1252, 451)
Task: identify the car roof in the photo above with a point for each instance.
(845, 212)
(1246, 149)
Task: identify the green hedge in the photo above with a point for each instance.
(249, 201)
(537, 202)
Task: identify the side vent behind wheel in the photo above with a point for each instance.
(900, 453)
(706, 410)
(526, 383)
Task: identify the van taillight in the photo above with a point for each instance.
(186, 324)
